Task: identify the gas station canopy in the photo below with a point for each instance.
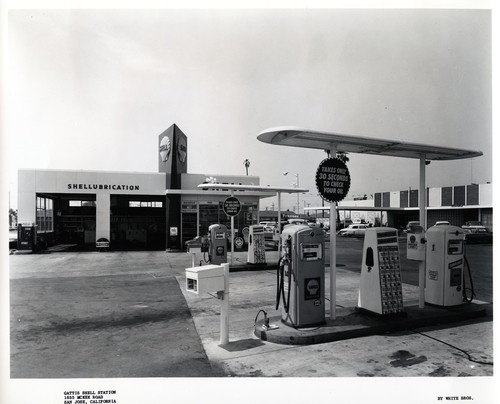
(337, 142)
(313, 139)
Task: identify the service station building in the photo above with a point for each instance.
(130, 209)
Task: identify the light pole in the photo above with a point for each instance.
(296, 185)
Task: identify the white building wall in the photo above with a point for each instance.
(434, 197)
(486, 194)
(101, 184)
(91, 182)
(394, 200)
(26, 197)
(102, 213)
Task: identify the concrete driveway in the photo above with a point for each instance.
(127, 314)
(87, 315)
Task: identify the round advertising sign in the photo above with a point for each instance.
(333, 179)
(239, 242)
(232, 206)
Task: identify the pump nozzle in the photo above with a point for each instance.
(266, 320)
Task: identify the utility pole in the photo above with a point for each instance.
(246, 163)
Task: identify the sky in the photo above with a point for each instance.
(93, 89)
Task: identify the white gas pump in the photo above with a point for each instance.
(415, 244)
(444, 265)
(380, 288)
(217, 248)
(256, 245)
(301, 276)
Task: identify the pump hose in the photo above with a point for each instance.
(280, 290)
(466, 299)
(278, 283)
(287, 303)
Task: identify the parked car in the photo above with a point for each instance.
(353, 230)
(442, 222)
(412, 226)
(269, 226)
(477, 234)
(474, 223)
(343, 224)
(297, 221)
(12, 239)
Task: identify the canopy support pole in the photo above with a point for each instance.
(423, 222)
(333, 250)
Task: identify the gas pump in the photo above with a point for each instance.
(217, 244)
(415, 244)
(256, 245)
(444, 266)
(301, 276)
(380, 288)
(26, 236)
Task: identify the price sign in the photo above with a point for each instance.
(333, 180)
(232, 206)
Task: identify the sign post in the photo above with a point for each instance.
(232, 207)
(333, 181)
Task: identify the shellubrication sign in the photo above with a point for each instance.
(333, 179)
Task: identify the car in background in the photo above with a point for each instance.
(473, 223)
(412, 226)
(353, 230)
(477, 234)
(268, 226)
(442, 223)
(297, 221)
(271, 233)
(12, 239)
(343, 224)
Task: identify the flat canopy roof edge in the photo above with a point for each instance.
(256, 188)
(222, 191)
(314, 139)
(386, 208)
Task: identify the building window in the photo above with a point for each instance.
(79, 204)
(145, 204)
(446, 196)
(44, 214)
(459, 196)
(414, 198)
(386, 199)
(403, 199)
(473, 194)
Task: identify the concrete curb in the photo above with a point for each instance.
(352, 323)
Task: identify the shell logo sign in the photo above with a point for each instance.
(182, 149)
(165, 148)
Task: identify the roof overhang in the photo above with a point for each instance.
(254, 188)
(387, 209)
(220, 191)
(313, 139)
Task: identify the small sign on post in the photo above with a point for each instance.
(333, 179)
(232, 206)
